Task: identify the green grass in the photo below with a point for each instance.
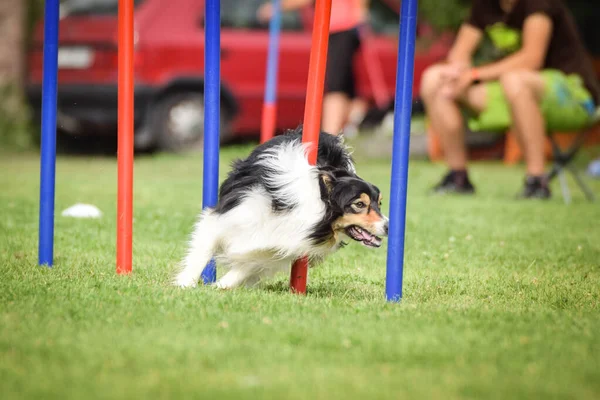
(501, 298)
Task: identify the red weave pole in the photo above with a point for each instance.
(125, 139)
(312, 111)
(267, 125)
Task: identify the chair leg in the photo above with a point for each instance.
(564, 187)
(562, 160)
(581, 183)
(553, 172)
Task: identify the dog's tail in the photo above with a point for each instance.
(202, 246)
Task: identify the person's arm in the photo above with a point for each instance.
(464, 46)
(537, 31)
(289, 5)
(265, 11)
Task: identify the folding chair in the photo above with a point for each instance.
(561, 161)
(561, 158)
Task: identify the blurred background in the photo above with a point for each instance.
(169, 50)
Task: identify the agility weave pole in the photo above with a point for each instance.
(48, 142)
(400, 150)
(212, 117)
(126, 133)
(125, 139)
(312, 118)
(312, 111)
(269, 111)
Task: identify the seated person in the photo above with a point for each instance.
(544, 81)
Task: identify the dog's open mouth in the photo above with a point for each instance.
(362, 235)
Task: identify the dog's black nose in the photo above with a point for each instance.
(386, 227)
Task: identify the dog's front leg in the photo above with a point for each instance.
(202, 247)
(236, 277)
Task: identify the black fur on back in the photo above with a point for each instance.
(247, 173)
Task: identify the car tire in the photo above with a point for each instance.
(178, 122)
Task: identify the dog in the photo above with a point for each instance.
(274, 207)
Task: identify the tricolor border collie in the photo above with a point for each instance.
(274, 207)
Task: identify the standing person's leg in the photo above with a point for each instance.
(335, 111)
(358, 109)
(339, 80)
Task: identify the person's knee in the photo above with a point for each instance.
(514, 84)
(430, 82)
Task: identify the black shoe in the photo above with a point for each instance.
(536, 187)
(455, 182)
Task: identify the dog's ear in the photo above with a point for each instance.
(326, 181)
(342, 173)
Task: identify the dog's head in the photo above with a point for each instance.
(356, 207)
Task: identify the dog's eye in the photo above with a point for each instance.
(360, 204)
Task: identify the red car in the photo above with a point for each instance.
(169, 62)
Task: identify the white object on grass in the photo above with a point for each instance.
(81, 210)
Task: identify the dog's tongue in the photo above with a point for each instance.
(367, 238)
(363, 235)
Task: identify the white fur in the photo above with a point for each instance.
(254, 241)
(381, 226)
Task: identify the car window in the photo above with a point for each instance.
(93, 7)
(241, 14)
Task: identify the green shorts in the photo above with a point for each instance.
(567, 105)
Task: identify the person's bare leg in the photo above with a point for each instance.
(356, 113)
(358, 109)
(445, 115)
(445, 118)
(336, 106)
(524, 91)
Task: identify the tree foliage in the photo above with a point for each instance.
(444, 14)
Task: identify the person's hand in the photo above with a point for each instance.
(449, 76)
(457, 87)
(452, 72)
(264, 12)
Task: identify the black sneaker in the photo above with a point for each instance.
(536, 187)
(455, 182)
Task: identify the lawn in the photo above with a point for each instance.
(501, 298)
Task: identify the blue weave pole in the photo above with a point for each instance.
(400, 150)
(273, 56)
(48, 142)
(212, 101)
(269, 112)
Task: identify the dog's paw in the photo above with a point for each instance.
(184, 280)
(223, 285)
(226, 283)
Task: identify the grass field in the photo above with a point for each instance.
(501, 298)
